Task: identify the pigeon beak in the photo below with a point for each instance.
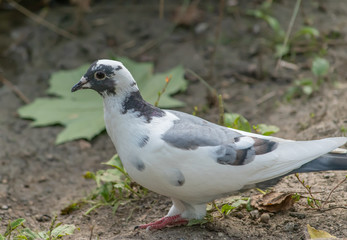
(83, 83)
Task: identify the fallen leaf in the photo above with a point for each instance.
(273, 201)
(318, 234)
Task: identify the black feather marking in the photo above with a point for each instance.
(143, 141)
(119, 68)
(139, 164)
(134, 102)
(262, 146)
(106, 85)
(176, 177)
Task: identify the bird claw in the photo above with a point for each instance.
(163, 222)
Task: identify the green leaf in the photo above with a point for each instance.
(106, 191)
(20, 237)
(234, 120)
(82, 113)
(306, 31)
(63, 230)
(13, 225)
(265, 129)
(43, 235)
(111, 175)
(227, 208)
(281, 50)
(2, 237)
(273, 23)
(29, 234)
(193, 222)
(308, 90)
(320, 67)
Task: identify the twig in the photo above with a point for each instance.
(328, 209)
(167, 81)
(308, 190)
(91, 232)
(332, 190)
(289, 30)
(14, 89)
(215, 205)
(216, 39)
(52, 227)
(41, 20)
(221, 110)
(266, 97)
(161, 9)
(203, 81)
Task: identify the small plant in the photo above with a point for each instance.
(17, 230)
(307, 86)
(311, 200)
(114, 186)
(227, 208)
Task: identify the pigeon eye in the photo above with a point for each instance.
(100, 75)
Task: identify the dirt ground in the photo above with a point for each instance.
(39, 178)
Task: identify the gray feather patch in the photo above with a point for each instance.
(190, 132)
(143, 141)
(231, 156)
(176, 177)
(139, 164)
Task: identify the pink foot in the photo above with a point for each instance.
(164, 222)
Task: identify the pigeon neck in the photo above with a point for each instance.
(134, 102)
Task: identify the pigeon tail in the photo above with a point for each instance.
(327, 162)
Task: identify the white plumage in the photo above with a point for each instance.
(187, 158)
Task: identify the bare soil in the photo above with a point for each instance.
(39, 178)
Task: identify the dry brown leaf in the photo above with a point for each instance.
(273, 201)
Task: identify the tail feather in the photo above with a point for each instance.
(326, 162)
(329, 161)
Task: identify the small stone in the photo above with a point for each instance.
(43, 218)
(4, 207)
(254, 214)
(239, 215)
(265, 218)
(289, 227)
(297, 215)
(84, 144)
(201, 28)
(220, 234)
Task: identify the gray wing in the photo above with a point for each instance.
(190, 132)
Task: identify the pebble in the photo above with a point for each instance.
(4, 207)
(290, 227)
(265, 218)
(43, 218)
(254, 214)
(239, 215)
(297, 215)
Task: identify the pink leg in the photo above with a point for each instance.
(164, 222)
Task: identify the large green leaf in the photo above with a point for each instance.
(82, 113)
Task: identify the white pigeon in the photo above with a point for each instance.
(189, 159)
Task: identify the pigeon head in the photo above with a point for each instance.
(107, 77)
